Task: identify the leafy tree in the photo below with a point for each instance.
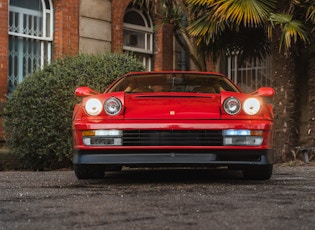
(207, 28)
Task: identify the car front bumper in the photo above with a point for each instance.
(149, 158)
(182, 154)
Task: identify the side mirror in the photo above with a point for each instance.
(84, 91)
(264, 92)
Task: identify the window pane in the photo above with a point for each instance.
(29, 4)
(134, 39)
(48, 29)
(28, 51)
(133, 17)
(138, 36)
(47, 4)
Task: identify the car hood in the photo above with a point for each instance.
(172, 106)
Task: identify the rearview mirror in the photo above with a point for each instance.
(264, 92)
(84, 91)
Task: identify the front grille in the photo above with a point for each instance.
(172, 138)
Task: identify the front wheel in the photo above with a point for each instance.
(83, 171)
(258, 172)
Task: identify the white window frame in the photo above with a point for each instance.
(43, 33)
(146, 53)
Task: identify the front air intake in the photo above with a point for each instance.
(172, 138)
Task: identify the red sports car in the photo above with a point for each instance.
(173, 118)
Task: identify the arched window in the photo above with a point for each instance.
(138, 35)
(30, 38)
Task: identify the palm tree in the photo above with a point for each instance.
(290, 25)
(304, 11)
(229, 25)
(215, 26)
(205, 29)
(297, 38)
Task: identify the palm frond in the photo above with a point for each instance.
(292, 30)
(200, 2)
(310, 14)
(204, 26)
(246, 12)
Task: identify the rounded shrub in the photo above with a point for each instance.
(37, 118)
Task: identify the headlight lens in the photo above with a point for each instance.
(232, 106)
(244, 137)
(251, 106)
(93, 107)
(112, 106)
(102, 137)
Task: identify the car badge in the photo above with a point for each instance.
(172, 112)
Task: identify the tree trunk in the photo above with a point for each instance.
(310, 133)
(285, 101)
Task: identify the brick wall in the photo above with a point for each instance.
(66, 39)
(3, 58)
(3, 48)
(66, 28)
(118, 11)
(66, 35)
(163, 48)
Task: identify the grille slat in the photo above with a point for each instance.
(172, 138)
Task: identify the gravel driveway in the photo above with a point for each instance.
(158, 199)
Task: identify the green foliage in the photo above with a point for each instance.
(38, 117)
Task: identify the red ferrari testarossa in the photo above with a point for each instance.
(170, 119)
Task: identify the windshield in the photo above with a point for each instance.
(173, 82)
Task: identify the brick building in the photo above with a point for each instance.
(35, 32)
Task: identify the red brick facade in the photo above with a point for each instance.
(4, 39)
(163, 53)
(66, 38)
(118, 11)
(66, 28)
(66, 35)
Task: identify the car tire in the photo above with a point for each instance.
(89, 171)
(258, 172)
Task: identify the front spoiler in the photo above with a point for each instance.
(182, 158)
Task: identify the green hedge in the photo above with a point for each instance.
(37, 118)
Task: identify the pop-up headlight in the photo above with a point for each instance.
(93, 107)
(113, 106)
(232, 106)
(251, 106)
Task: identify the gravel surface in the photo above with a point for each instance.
(158, 199)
